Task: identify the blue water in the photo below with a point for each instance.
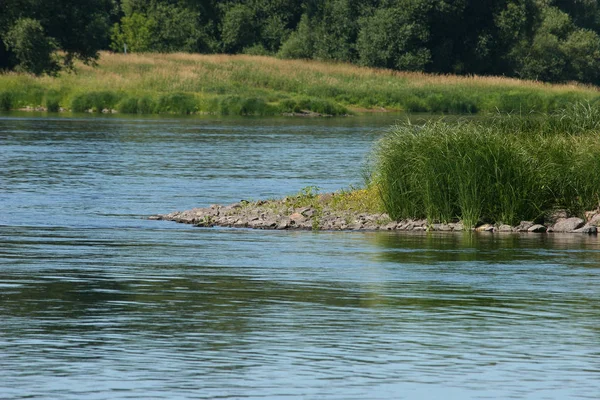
(97, 302)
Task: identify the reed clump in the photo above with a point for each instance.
(499, 170)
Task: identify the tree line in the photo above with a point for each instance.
(548, 40)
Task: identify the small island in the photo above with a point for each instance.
(505, 172)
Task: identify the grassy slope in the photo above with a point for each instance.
(187, 83)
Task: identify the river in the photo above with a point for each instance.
(97, 302)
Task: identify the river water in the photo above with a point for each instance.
(96, 302)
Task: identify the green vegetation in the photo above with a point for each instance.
(502, 170)
(257, 85)
(548, 40)
(39, 36)
(366, 200)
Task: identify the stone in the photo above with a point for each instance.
(440, 227)
(567, 224)
(355, 227)
(485, 228)
(283, 224)
(524, 226)
(409, 226)
(307, 211)
(390, 227)
(297, 218)
(537, 228)
(458, 227)
(505, 228)
(556, 215)
(587, 228)
(595, 221)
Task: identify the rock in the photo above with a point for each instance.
(418, 222)
(567, 224)
(390, 226)
(505, 228)
(595, 221)
(458, 227)
(537, 228)
(587, 228)
(297, 218)
(440, 227)
(524, 226)
(307, 211)
(408, 226)
(556, 215)
(240, 224)
(485, 228)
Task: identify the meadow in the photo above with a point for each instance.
(256, 85)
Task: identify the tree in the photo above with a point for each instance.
(160, 26)
(79, 28)
(238, 28)
(32, 49)
(300, 43)
(395, 37)
(136, 32)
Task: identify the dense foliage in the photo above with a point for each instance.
(549, 40)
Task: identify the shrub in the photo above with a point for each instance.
(95, 101)
(52, 101)
(6, 100)
(128, 105)
(177, 103)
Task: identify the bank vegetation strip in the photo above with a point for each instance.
(258, 85)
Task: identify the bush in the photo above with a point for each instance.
(177, 103)
(52, 101)
(128, 105)
(95, 101)
(6, 100)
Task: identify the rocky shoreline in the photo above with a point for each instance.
(281, 215)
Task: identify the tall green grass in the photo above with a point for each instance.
(503, 169)
(256, 85)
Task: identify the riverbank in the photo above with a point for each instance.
(256, 85)
(323, 215)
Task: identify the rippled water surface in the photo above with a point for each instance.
(97, 302)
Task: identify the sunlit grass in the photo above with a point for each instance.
(276, 86)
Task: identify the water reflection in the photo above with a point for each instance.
(97, 302)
